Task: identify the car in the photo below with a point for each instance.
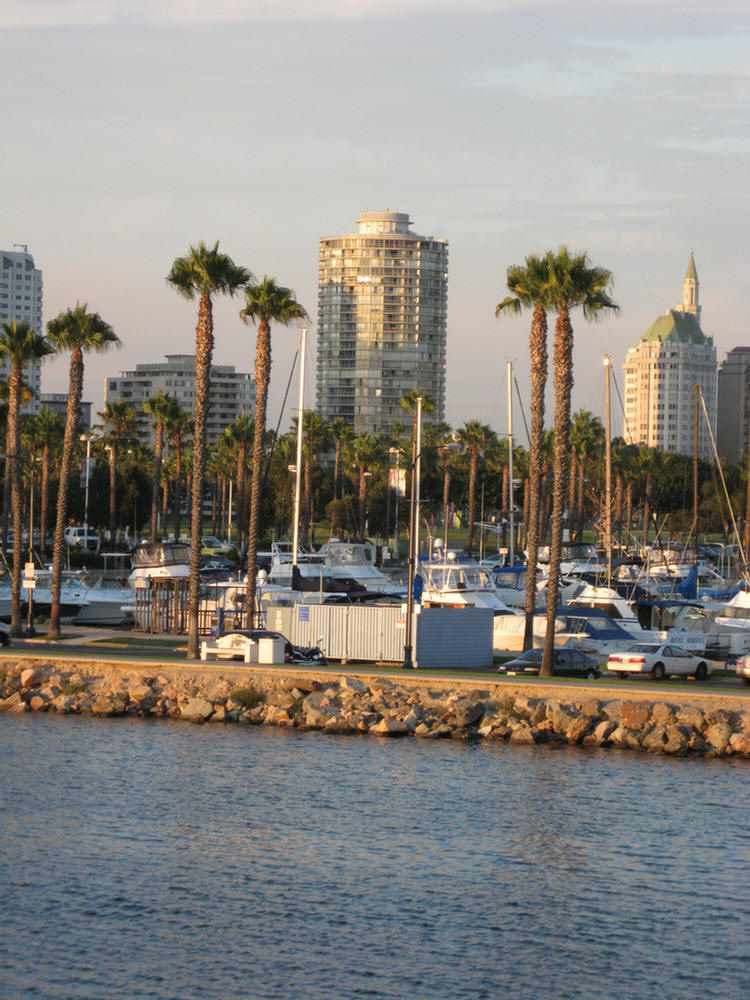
(742, 668)
(659, 660)
(4, 634)
(77, 537)
(566, 663)
(212, 546)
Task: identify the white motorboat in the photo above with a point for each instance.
(104, 601)
(354, 561)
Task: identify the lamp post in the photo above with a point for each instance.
(88, 438)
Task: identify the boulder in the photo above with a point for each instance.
(107, 704)
(691, 716)
(599, 737)
(662, 714)
(655, 739)
(220, 714)
(740, 743)
(468, 712)
(577, 728)
(353, 684)
(634, 714)
(11, 702)
(718, 737)
(677, 740)
(318, 717)
(389, 725)
(32, 677)
(522, 734)
(196, 710)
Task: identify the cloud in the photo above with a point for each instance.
(108, 13)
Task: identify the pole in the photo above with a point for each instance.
(86, 495)
(511, 553)
(300, 421)
(30, 630)
(696, 403)
(608, 474)
(408, 663)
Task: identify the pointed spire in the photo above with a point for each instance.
(691, 271)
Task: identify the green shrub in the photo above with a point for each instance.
(246, 696)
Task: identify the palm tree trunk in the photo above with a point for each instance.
(472, 498)
(44, 500)
(262, 379)
(71, 421)
(446, 503)
(14, 457)
(204, 345)
(241, 483)
(538, 352)
(112, 491)
(563, 377)
(158, 445)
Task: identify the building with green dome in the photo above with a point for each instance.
(661, 372)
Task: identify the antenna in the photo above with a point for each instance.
(22, 246)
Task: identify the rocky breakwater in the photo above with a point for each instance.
(376, 706)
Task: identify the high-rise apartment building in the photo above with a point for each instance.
(21, 298)
(661, 372)
(733, 416)
(232, 393)
(382, 322)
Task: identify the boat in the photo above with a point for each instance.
(354, 561)
(104, 601)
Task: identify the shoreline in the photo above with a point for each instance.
(713, 724)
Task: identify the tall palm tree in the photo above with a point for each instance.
(366, 455)
(265, 303)
(19, 344)
(240, 435)
(119, 416)
(48, 433)
(203, 273)
(574, 281)
(342, 434)
(529, 287)
(177, 429)
(474, 437)
(161, 408)
(79, 332)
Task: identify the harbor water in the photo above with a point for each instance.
(177, 862)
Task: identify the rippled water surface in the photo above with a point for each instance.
(171, 861)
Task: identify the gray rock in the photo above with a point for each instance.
(353, 684)
(718, 737)
(32, 677)
(196, 710)
(468, 712)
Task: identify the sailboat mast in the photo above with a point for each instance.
(511, 554)
(608, 473)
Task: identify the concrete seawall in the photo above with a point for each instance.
(703, 723)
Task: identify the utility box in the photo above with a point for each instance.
(270, 650)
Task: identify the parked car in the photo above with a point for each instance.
(742, 668)
(659, 660)
(212, 546)
(4, 634)
(566, 663)
(77, 537)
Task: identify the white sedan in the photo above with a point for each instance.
(658, 660)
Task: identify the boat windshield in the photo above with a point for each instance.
(161, 554)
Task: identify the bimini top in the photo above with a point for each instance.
(676, 325)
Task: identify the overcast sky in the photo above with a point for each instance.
(135, 128)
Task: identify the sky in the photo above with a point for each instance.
(135, 128)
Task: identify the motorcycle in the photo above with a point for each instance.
(308, 654)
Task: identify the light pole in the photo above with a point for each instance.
(88, 438)
(413, 527)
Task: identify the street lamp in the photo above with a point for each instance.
(88, 438)
(413, 529)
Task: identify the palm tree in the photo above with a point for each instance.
(79, 332)
(161, 408)
(266, 302)
(177, 429)
(203, 272)
(240, 435)
(20, 344)
(474, 437)
(48, 434)
(342, 434)
(367, 453)
(573, 282)
(120, 417)
(529, 284)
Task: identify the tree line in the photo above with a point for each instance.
(346, 478)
